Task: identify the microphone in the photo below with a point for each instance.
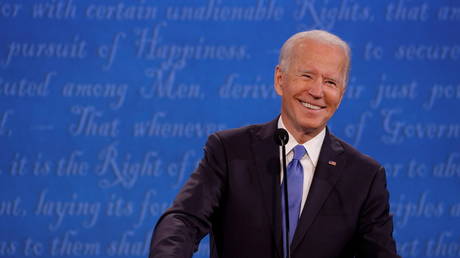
(281, 138)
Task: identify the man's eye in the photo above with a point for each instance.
(331, 83)
(307, 76)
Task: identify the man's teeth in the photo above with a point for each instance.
(310, 106)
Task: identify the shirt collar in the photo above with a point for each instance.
(313, 146)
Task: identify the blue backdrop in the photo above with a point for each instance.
(105, 107)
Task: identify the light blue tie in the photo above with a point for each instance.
(295, 190)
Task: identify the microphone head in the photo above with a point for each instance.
(281, 136)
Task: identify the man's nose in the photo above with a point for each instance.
(316, 89)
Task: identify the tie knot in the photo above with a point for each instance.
(299, 151)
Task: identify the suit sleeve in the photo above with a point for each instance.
(375, 223)
(179, 231)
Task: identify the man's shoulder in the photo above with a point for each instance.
(355, 156)
(241, 139)
(248, 131)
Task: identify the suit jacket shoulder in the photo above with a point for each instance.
(246, 133)
(357, 157)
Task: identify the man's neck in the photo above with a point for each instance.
(301, 136)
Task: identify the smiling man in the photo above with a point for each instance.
(311, 80)
(338, 201)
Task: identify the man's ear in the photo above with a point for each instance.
(278, 80)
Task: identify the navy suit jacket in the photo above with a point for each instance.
(234, 195)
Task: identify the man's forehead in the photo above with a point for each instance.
(305, 44)
(305, 49)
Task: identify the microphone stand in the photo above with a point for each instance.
(286, 201)
(281, 138)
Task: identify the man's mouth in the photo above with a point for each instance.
(310, 106)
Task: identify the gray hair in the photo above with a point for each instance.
(317, 35)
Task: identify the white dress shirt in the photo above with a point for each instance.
(308, 161)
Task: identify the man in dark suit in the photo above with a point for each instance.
(342, 207)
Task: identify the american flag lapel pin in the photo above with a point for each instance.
(332, 163)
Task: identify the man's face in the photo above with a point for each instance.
(311, 86)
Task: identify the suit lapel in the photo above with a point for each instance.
(266, 156)
(326, 175)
